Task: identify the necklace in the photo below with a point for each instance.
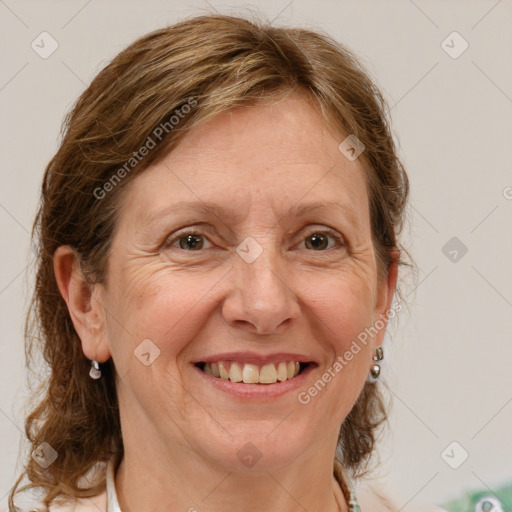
(350, 498)
(345, 485)
(353, 506)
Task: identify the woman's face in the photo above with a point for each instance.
(280, 269)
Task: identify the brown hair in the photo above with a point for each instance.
(212, 63)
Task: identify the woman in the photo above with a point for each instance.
(217, 264)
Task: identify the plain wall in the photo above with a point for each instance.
(447, 360)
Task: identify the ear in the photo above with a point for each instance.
(385, 292)
(84, 304)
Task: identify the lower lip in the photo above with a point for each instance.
(257, 391)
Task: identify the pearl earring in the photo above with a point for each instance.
(379, 356)
(95, 372)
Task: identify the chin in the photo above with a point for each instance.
(257, 448)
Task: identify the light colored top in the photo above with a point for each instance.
(112, 503)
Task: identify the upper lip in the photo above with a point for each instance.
(255, 358)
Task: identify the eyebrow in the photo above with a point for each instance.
(208, 208)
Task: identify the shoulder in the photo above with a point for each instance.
(32, 499)
(29, 501)
(378, 501)
(98, 503)
(95, 504)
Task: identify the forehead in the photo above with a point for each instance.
(277, 156)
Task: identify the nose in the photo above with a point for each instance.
(261, 299)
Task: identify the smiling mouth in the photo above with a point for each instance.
(253, 374)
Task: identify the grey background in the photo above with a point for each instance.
(448, 357)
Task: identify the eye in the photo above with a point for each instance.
(192, 240)
(318, 240)
(188, 241)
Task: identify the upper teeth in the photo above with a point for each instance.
(252, 373)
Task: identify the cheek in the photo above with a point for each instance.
(343, 309)
(149, 293)
(160, 305)
(344, 312)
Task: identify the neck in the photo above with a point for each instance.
(156, 479)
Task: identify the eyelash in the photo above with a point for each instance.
(333, 234)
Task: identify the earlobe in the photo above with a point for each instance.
(84, 308)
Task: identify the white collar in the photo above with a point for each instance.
(112, 503)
